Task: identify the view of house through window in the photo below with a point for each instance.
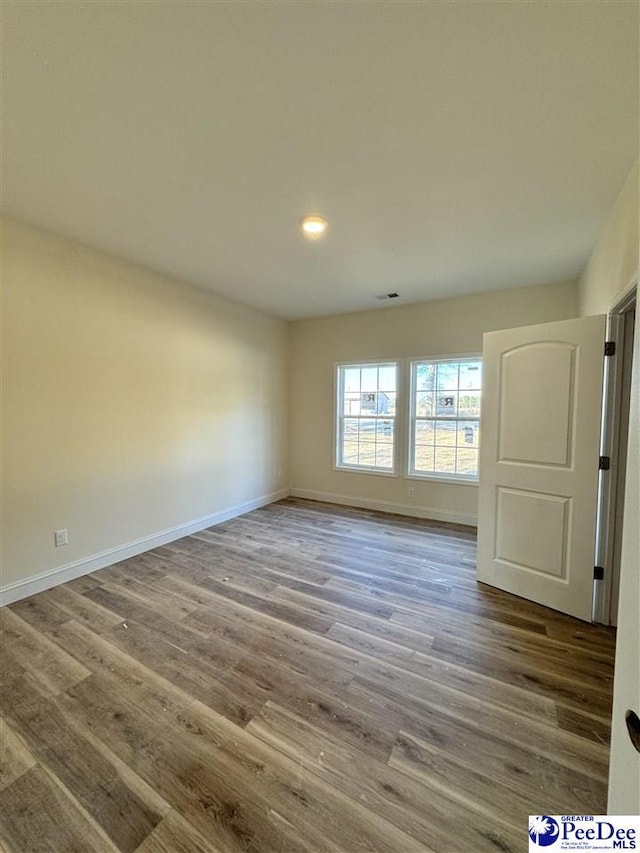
(445, 417)
(366, 416)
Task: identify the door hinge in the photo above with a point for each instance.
(610, 348)
(598, 573)
(604, 463)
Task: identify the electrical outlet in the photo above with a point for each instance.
(411, 492)
(61, 537)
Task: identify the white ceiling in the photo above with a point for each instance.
(453, 146)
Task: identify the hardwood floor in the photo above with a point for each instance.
(303, 678)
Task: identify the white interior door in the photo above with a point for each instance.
(539, 449)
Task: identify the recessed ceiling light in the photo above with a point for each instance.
(313, 226)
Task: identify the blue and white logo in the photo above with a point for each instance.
(584, 833)
(543, 830)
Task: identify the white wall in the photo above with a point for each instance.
(132, 405)
(614, 260)
(426, 329)
(613, 265)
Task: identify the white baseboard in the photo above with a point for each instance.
(46, 580)
(387, 506)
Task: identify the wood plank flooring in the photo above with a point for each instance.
(304, 678)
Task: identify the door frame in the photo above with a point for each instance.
(613, 443)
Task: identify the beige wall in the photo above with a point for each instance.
(614, 260)
(612, 267)
(132, 403)
(426, 329)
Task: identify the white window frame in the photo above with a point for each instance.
(446, 477)
(338, 420)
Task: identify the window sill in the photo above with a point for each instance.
(358, 470)
(445, 478)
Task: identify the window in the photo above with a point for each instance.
(439, 415)
(366, 427)
(445, 418)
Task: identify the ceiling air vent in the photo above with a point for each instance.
(384, 296)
